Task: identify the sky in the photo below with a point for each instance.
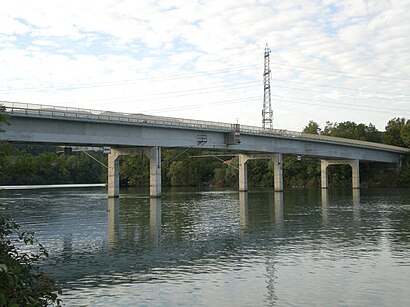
(330, 60)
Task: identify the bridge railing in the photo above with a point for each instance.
(142, 119)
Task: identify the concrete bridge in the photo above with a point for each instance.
(129, 134)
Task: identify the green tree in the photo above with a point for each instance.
(405, 133)
(392, 134)
(232, 173)
(4, 118)
(312, 128)
(179, 174)
(351, 130)
(219, 179)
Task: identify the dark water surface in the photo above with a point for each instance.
(222, 248)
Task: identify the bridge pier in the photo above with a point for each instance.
(154, 155)
(355, 172)
(277, 170)
(113, 174)
(243, 173)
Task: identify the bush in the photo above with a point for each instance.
(21, 283)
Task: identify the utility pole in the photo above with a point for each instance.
(267, 113)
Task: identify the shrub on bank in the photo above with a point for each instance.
(21, 283)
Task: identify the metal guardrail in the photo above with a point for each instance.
(29, 109)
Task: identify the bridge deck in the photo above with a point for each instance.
(78, 114)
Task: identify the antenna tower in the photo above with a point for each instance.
(267, 113)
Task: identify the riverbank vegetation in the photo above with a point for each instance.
(29, 164)
(21, 283)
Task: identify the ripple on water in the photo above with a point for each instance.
(207, 248)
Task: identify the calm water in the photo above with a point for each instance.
(224, 248)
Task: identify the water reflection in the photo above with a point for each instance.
(279, 220)
(113, 222)
(264, 248)
(155, 221)
(325, 206)
(271, 280)
(356, 204)
(67, 247)
(243, 209)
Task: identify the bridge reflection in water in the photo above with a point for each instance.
(155, 211)
(155, 218)
(355, 205)
(267, 244)
(155, 232)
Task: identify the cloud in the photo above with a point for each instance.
(132, 51)
(12, 26)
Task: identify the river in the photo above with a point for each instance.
(222, 248)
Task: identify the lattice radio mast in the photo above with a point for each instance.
(267, 113)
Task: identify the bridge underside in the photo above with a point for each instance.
(154, 155)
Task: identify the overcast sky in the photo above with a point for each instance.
(330, 60)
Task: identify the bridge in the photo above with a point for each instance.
(129, 134)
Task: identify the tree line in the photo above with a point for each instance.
(31, 164)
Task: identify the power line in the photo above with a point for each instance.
(236, 86)
(342, 103)
(181, 93)
(131, 81)
(341, 73)
(342, 94)
(340, 88)
(201, 105)
(345, 106)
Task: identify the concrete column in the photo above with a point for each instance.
(323, 171)
(113, 174)
(355, 174)
(278, 172)
(154, 155)
(243, 173)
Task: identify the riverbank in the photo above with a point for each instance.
(51, 186)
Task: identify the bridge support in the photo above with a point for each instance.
(113, 174)
(355, 172)
(243, 173)
(277, 170)
(154, 155)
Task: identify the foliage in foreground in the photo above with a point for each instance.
(21, 284)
